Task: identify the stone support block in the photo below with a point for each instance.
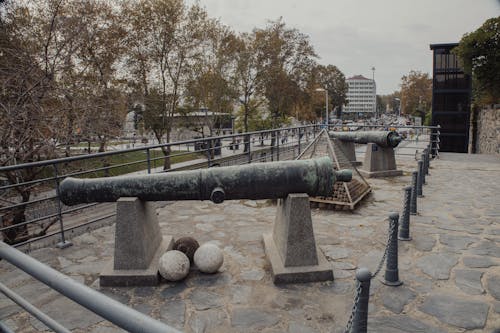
(379, 162)
(291, 247)
(138, 245)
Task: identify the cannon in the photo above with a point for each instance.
(379, 157)
(381, 138)
(139, 242)
(252, 181)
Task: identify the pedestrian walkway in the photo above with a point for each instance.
(450, 269)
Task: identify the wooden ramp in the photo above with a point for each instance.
(345, 195)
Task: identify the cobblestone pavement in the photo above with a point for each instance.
(450, 270)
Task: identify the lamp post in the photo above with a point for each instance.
(326, 103)
(399, 106)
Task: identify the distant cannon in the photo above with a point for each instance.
(252, 181)
(379, 158)
(381, 138)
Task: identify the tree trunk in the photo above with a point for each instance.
(102, 145)
(16, 216)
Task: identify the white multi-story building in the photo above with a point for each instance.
(361, 96)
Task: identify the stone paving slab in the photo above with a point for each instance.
(450, 270)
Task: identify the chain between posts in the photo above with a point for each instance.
(354, 307)
(384, 257)
(358, 284)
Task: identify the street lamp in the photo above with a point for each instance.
(326, 103)
(399, 106)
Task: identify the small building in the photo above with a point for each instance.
(451, 98)
(361, 96)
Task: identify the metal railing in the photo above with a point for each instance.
(30, 208)
(104, 306)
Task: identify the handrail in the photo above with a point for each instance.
(109, 153)
(48, 321)
(104, 306)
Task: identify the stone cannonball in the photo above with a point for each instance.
(208, 258)
(173, 265)
(187, 245)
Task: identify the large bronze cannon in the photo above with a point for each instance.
(381, 138)
(252, 181)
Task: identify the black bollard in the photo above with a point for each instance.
(360, 321)
(404, 231)
(424, 163)
(420, 178)
(413, 203)
(391, 277)
(427, 160)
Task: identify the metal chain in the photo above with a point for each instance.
(389, 240)
(358, 284)
(354, 307)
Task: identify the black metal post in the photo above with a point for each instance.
(413, 203)
(422, 158)
(249, 149)
(391, 277)
(148, 157)
(277, 145)
(420, 178)
(298, 136)
(63, 243)
(207, 150)
(404, 231)
(360, 321)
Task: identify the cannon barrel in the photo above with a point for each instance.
(252, 181)
(381, 138)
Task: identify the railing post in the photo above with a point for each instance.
(63, 243)
(420, 178)
(391, 277)
(207, 150)
(360, 320)
(404, 231)
(414, 193)
(148, 157)
(298, 136)
(427, 160)
(249, 150)
(422, 158)
(277, 145)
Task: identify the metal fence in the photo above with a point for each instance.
(106, 307)
(30, 209)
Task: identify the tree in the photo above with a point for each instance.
(333, 80)
(210, 85)
(165, 38)
(285, 57)
(479, 53)
(416, 93)
(29, 117)
(247, 77)
(99, 53)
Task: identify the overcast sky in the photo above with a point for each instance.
(391, 35)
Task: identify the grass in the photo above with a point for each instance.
(137, 156)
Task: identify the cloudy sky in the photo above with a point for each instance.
(391, 35)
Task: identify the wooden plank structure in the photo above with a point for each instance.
(345, 195)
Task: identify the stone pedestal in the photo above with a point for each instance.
(348, 148)
(138, 245)
(291, 247)
(379, 162)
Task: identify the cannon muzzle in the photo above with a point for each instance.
(381, 138)
(251, 181)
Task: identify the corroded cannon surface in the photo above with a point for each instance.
(381, 138)
(252, 181)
